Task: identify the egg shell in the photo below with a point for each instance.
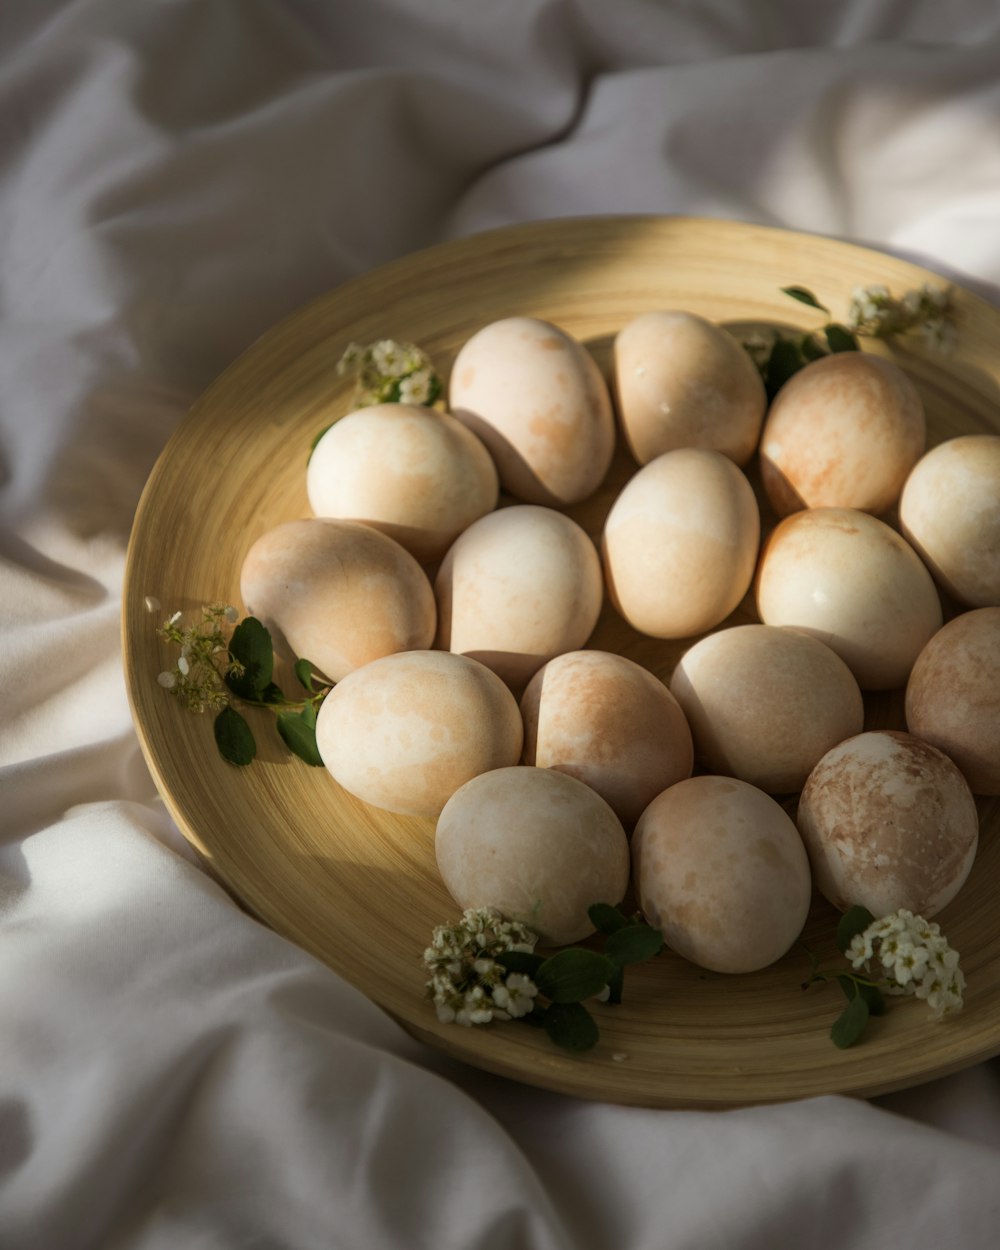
(680, 543)
(417, 475)
(682, 381)
(843, 432)
(337, 593)
(405, 732)
(765, 703)
(720, 868)
(953, 696)
(852, 582)
(888, 822)
(950, 512)
(610, 723)
(538, 401)
(539, 846)
(518, 587)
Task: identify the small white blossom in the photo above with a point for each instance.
(174, 619)
(389, 359)
(167, 680)
(183, 665)
(416, 388)
(915, 957)
(152, 603)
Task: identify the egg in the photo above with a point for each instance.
(950, 512)
(720, 868)
(337, 593)
(610, 723)
(765, 703)
(852, 582)
(680, 543)
(953, 696)
(405, 732)
(843, 432)
(682, 381)
(539, 846)
(417, 475)
(888, 822)
(537, 399)
(518, 587)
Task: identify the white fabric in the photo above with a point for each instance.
(175, 176)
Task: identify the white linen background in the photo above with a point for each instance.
(175, 177)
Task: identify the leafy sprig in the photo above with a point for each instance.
(865, 998)
(873, 313)
(214, 671)
(475, 980)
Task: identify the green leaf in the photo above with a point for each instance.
(574, 974)
(786, 359)
(299, 737)
(811, 348)
(308, 715)
(526, 962)
(234, 738)
(251, 646)
(850, 1024)
(804, 296)
(634, 944)
(605, 918)
(616, 987)
(271, 694)
(571, 1026)
(303, 671)
(312, 445)
(840, 339)
(854, 921)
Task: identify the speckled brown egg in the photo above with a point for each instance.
(680, 543)
(852, 582)
(539, 846)
(720, 868)
(765, 704)
(417, 475)
(536, 398)
(405, 732)
(888, 822)
(337, 593)
(843, 432)
(609, 722)
(518, 587)
(953, 696)
(682, 381)
(950, 512)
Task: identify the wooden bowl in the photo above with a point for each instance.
(359, 887)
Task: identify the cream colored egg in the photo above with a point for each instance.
(417, 475)
(888, 822)
(680, 543)
(843, 432)
(953, 696)
(518, 587)
(682, 381)
(535, 397)
(405, 732)
(535, 844)
(765, 704)
(950, 512)
(337, 593)
(610, 723)
(720, 868)
(852, 582)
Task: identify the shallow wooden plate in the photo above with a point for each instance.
(359, 887)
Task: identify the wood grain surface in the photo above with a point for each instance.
(359, 887)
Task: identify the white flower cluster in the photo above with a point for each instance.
(467, 984)
(197, 677)
(917, 958)
(874, 311)
(390, 372)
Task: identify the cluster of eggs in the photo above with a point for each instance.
(456, 630)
